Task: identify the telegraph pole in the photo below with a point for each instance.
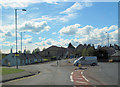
(108, 38)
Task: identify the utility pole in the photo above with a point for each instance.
(16, 37)
(21, 42)
(108, 38)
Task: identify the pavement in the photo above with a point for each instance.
(19, 75)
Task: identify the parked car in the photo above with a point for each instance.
(86, 60)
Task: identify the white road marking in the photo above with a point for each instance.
(81, 82)
(82, 73)
(72, 73)
(71, 77)
(85, 78)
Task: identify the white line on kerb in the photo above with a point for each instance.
(71, 77)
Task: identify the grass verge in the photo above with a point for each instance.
(45, 60)
(6, 71)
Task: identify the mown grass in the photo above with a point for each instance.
(45, 60)
(6, 71)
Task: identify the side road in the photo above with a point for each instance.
(19, 75)
(26, 73)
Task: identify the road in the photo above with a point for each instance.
(103, 74)
(51, 74)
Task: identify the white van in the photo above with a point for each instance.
(86, 60)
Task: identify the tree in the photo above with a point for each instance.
(43, 49)
(90, 51)
(78, 52)
(28, 52)
(84, 52)
(37, 50)
(101, 54)
(19, 51)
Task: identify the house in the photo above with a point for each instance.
(22, 59)
(54, 51)
(71, 50)
(38, 57)
(116, 56)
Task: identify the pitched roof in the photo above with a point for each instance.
(37, 55)
(117, 53)
(30, 56)
(22, 56)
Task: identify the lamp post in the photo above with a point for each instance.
(16, 34)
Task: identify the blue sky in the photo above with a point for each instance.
(59, 23)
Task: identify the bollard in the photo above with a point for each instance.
(79, 66)
(110, 60)
(8, 64)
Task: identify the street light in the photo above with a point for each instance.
(16, 33)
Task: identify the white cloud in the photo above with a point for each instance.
(26, 36)
(44, 18)
(29, 26)
(89, 34)
(49, 42)
(8, 34)
(69, 30)
(28, 40)
(7, 43)
(113, 27)
(1, 31)
(23, 3)
(71, 12)
(7, 28)
(76, 6)
(54, 33)
(99, 36)
(40, 38)
(35, 27)
(67, 17)
(2, 39)
(85, 30)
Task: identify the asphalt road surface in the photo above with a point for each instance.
(51, 74)
(103, 74)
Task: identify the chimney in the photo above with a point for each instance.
(25, 51)
(11, 50)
